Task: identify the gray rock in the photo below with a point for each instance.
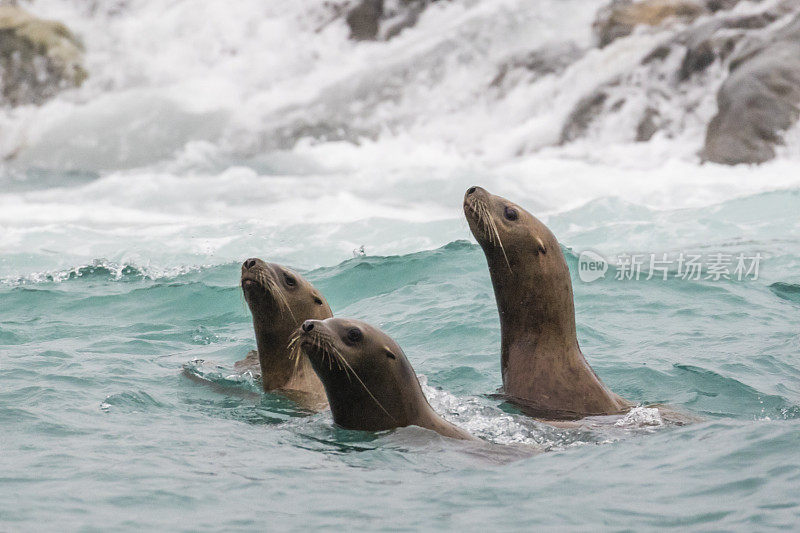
(697, 59)
(364, 20)
(582, 116)
(757, 102)
(372, 20)
(720, 5)
(38, 58)
(408, 19)
(672, 75)
(648, 125)
(620, 17)
(550, 59)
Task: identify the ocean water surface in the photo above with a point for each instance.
(130, 204)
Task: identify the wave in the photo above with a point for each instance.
(440, 306)
(786, 291)
(100, 270)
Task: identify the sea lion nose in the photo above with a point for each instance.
(308, 325)
(471, 190)
(250, 263)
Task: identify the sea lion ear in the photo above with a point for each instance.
(540, 247)
(389, 353)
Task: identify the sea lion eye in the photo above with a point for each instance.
(290, 281)
(354, 335)
(511, 213)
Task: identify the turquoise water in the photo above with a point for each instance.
(104, 429)
(209, 132)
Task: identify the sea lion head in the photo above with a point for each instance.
(528, 269)
(368, 380)
(280, 298)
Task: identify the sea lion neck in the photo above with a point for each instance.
(277, 368)
(533, 299)
(542, 365)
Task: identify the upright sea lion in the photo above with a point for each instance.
(543, 369)
(280, 300)
(370, 384)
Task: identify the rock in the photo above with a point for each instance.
(364, 20)
(720, 5)
(668, 90)
(405, 20)
(383, 19)
(582, 116)
(620, 17)
(753, 22)
(659, 53)
(648, 125)
(714, 40)
(697, 59)
(38, 58)
(757, 102)
(550, 59)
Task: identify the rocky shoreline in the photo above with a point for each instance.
(745, 53)
(38, 58)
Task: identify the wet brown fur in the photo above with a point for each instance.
(370, 384)
(543, 369)
(278, 309)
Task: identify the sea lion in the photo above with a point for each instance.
(369, 382)
(543, 369)
(280, 300)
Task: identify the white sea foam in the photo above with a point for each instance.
(640, 416)
(220, 130)
(116, 272)
(492, 424)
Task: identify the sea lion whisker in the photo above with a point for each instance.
(477, 209)
(502, 248)
(487, 222)
(367, 389)
(270, 287)
(283, 302)
(325, 352)
(492, 225)
(339, 360)
(322, 345)
(295, 349)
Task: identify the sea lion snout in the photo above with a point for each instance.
(255, 264)
(473, 199)
(253, 274)
(474, 193)
(314, 330)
